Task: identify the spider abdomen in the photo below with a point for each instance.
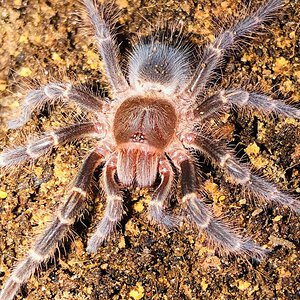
(159, 67)
(143, 127)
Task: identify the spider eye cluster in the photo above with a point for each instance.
(138, 137)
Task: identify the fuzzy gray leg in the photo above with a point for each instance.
(47, 242)
(240, 174)
(220, 235)
(101, 17)
(51, 93)
(243, 99)
(114, 207)
(45, 143)
(159, 201)
(213, 54)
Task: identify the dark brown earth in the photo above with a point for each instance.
(40, 40)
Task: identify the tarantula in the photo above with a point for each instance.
(152, 127)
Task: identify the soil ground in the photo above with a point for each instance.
(41, 40)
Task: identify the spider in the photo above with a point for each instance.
(150, 130)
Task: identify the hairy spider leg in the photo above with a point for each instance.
(213, 53)
(46, 142)
(51, 93)
(47, 242)
(219, 233)
(242, 99)
(239, 174)
(157, 209)
(114, 206)
(101, 18)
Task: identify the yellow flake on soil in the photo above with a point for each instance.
(138, 207)
(93, 60)
(122, 243)
(283, 43)
(38, 171)
(164, 281)
(201, 14)
(104, 266)
(277, 218)
(60, 170)
(5, 269)
(61, 174)
(221, 198)
(185, 7)
(17, 2)
(204, 284)
(290, 121)
(259, 162)
(89, 290)
(261, 130)
(36, 19)
(283, 272)
(297, 74)
(243, 201)
(257, 212)
(23, 39)
(41, 217)
(3, 194)
(243, 285)
(36, 39)
(225, 4)
(131, 229)
(25, 72)
(281, 65)
(292, 34)
(212, 261)
(246, 57)
(56, 57)
(3, 85)
(252, 149)
(122, 3)
(213, 189)
(138, 292)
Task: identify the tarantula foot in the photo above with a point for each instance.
(16, 123)
(94, 243)
(166, 220)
